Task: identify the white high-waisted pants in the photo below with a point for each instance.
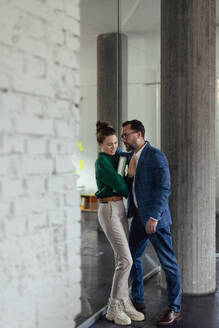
(114, 223)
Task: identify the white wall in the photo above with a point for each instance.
(39, 226)
(88, 111)
(144, 83)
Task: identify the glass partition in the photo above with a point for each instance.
(137, 91)
(97, 260)
(140, 22)
(97, 17)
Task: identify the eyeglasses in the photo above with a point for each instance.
(125, 135)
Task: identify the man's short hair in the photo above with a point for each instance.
(135, 125)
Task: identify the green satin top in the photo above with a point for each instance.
(109, 182)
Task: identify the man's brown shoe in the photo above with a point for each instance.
(139, 306)
(169, 318)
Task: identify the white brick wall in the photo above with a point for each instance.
(39, 204)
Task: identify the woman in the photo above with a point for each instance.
(112, 218)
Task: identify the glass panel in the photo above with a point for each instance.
(140, 21)
(97, 260)
(97, 17)
(136, 87)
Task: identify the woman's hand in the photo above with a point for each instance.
(132, 167)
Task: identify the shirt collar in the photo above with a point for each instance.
(138, 154)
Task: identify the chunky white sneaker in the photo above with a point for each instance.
(129, 309)
(116, 314)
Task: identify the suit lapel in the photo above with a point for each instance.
(141, 159)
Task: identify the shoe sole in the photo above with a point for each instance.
(169, 324)
(137, 320)
(133, 319)
(111, 319)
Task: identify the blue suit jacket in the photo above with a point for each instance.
(152, 187)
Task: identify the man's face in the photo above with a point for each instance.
(130, 137)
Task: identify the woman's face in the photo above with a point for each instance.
(109, 145)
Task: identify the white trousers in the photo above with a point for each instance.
(114, 223)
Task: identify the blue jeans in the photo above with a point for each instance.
(162, 243)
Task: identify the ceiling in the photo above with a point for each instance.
(101, 16)
(136, 16)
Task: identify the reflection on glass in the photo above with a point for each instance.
(138, 97)
(97, 17)
(140, 21)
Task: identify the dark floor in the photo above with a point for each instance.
(198, 312)
(97, 264)
(97, 268)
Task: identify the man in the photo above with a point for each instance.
(148, 205)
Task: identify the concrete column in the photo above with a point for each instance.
(188, 135)
(112, 54)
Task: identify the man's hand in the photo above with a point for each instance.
(132, 167)
(151, 226)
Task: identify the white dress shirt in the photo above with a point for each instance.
(136, 156)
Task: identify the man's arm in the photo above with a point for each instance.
(128, 155)
(129, 177)
(162, 186)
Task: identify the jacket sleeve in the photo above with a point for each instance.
(162, 186)
(108, 175)
(128, 155)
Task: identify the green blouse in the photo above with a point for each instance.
(109, 182)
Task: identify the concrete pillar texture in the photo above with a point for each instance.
(188, 29)
(112, 78)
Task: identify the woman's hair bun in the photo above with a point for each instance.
(103, 130)
(100, 125)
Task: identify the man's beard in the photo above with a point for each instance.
(130, 147)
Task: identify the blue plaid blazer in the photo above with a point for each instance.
(152, 187)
